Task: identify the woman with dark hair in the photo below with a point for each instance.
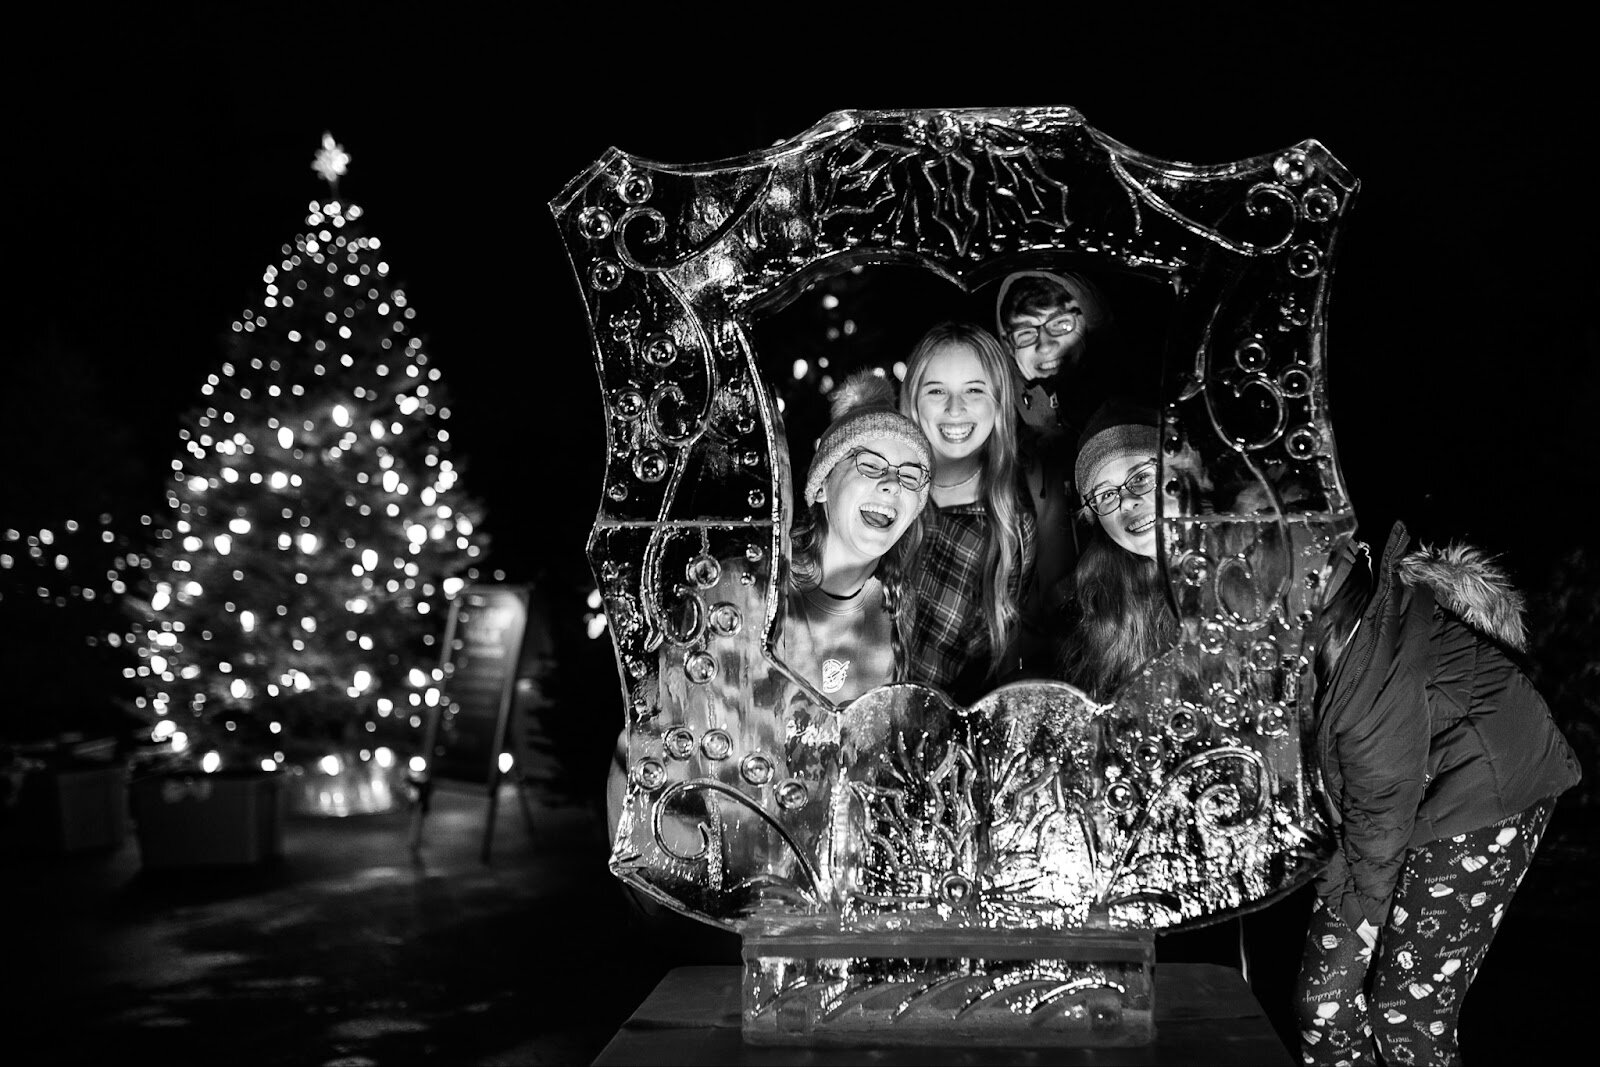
(977, 559)
(1442, 765)
(1118, 614)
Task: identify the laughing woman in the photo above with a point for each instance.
(850, 548)
(977, 554)
(849, 594)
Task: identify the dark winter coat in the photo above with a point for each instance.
(1045, 448)
(1427, 728)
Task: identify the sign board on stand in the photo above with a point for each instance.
(467, 734)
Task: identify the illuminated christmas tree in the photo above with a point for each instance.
(295, 599)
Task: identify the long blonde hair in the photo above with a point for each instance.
(998, 483)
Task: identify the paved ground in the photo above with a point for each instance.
(348, 951)
(352, 952)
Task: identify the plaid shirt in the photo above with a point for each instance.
(950, 636)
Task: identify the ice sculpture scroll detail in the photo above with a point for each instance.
(1191, 795)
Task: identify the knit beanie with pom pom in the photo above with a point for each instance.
(863, 409)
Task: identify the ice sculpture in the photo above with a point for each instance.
(754, 802)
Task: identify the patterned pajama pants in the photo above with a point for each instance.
(1447, 905)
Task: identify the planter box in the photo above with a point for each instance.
(349, 786)
(189, 820)
(73, 807)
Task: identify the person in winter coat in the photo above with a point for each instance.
(1442, 765)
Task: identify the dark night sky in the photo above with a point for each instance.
(161, 160)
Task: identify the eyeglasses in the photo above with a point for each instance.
(1060, 326)
(912, 476)
(1109, 499)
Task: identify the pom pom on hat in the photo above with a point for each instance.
(863, 389)
(863, 408)
(1117, 428)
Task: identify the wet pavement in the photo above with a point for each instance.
(351, 951)
(347, 951)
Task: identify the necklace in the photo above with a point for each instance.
(850, 595)
(957, 485)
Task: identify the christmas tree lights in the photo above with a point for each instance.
(297, 587)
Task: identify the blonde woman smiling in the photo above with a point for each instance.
(977, 553)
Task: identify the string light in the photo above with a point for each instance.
(307, 522)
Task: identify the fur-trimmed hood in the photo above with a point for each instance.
(1471, 584)
(1427, 728)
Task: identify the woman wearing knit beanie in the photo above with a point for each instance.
(1119, 615)
(851, 547)
(850, 550)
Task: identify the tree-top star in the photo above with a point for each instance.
(331, 160)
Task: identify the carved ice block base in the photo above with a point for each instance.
(822, 985)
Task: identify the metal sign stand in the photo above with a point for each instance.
(520, 783)
(489, 656)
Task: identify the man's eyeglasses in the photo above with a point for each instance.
(912, 476)
(1060, 326)
(1139, 483)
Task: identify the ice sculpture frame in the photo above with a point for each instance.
(1190, 796)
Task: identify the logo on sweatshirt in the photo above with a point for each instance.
(833, 674)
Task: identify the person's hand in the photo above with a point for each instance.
(1369, 937)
